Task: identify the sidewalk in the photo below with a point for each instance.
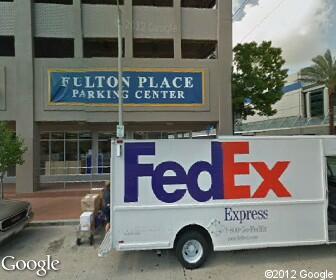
(52, 205)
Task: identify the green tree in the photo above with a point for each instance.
(11, 152)
(323, 71)
(257, 79)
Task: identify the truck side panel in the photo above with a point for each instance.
(245, 192)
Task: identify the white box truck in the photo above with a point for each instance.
(229, 193)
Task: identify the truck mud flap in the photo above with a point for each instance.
(106, 246)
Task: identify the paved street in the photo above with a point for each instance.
(83, 263)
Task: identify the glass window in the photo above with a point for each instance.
(104, 152)
(57, 158)
(65, 153)
(71, 157)
(154, 135)
(85, 156)
(11, 172)
(139, 135)
(44, 158)
(316, 104)
(57, 135)
(103, 2)
(71, 135)
(44, 136)
(85, 135)
(106, 136)
(104, 156)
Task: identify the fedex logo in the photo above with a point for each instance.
(223, 168)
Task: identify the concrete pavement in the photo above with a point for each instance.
(82, 262)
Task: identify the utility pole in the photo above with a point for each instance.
(120, 126)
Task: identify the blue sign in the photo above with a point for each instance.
(172, 87)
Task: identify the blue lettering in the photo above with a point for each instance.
(160, 180)
(134, 170)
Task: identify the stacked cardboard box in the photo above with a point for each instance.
(86, 221)
(100, 192)
(91, 203)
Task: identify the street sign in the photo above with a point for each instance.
(120, 131)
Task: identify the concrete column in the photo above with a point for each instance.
(27, 175)
(325, 102)
(127, 22)
(94, 152)
(301, 104)
(308, 105)
(78, 28)
(177, 29)
(224, 38)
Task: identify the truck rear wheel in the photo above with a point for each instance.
(192, 249)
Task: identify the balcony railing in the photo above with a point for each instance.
(281, 123)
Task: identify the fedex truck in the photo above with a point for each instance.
(230, 193)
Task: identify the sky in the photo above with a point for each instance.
(302, 28)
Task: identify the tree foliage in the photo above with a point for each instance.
(257, 79)
(11, 152)
(323, 71)
(11, 149)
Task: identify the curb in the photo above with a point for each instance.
(53, 223)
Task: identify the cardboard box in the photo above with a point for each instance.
(86, 221)
(100, 192)
(91, 203)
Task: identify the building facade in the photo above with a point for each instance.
(58, 85)
(303, 109)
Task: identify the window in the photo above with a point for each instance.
(199, 49)
(11, 171)
(101, 47)
(144, 135)
(6, 0)
(157, 3)
(45, 157)
(104, 152)
(113, 2)
(85, 156)
(7, 47)
(153, 48)
(54, 47)
(57, 164)
(64, 2)
(68, 153)
(316, 104)
(205, 4)
(71, 156)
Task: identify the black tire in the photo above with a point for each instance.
(192, 236)
(78, 241)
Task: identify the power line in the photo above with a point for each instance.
(262, 21)
(241, 7)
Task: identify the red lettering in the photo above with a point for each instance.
(232, 168)
(271, 179)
